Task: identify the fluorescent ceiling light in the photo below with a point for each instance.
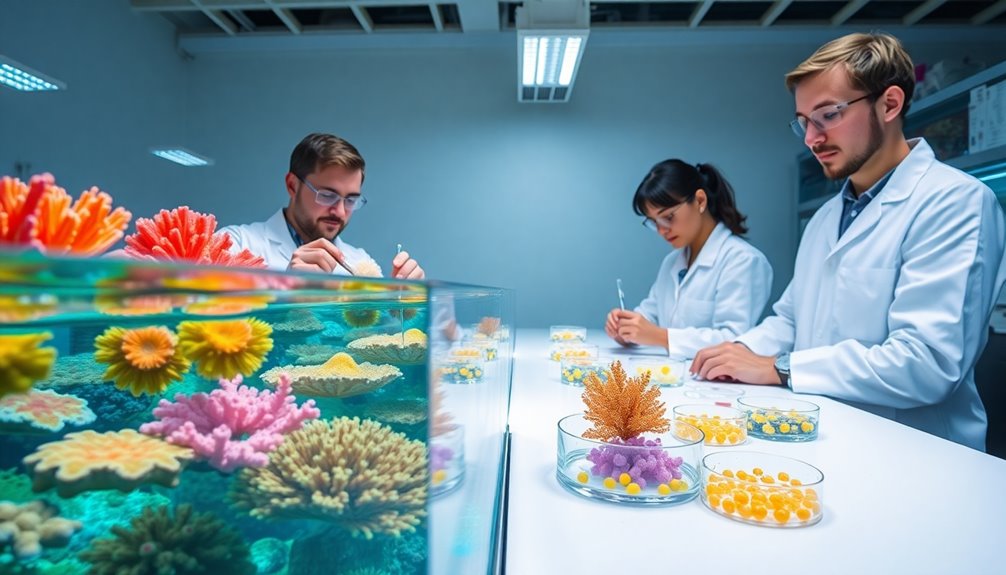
(551, 37)
(182, 156)
(20, 77)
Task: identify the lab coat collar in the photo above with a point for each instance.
(903, 181)
(706, 258)
(715, 241)
(279, 235)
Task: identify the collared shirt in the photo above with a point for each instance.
(853, 206)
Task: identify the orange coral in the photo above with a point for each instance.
(42, 410)
(186, 235)
(623, 407)
(88, 460)
(225, 348)
(46, 217)
(143, 360)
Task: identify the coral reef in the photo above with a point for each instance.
(186, 235)
(361, 317)
(398, 411)
(42, 215)
(142, 360)
(225, 348)
(404, 348)
(112, 408)
(299, 321)
(234, 425)
(87, 460)
(73, 370)
(311, 353)
(29, 527)
(623, 407)
(134, 306)
(329, 552)
(23, 362)
(359, 475)
(270, 555)
(340, 376)
(42, 410)
(188, 543)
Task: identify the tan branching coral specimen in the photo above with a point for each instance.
(340, 376)
(155, 542)
(404, 348)
(123, 460)
(29, 527)
(357, 474)
(622, 406)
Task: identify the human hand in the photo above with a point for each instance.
(320, 255)
(611, 327)
(731, 361)
(404, 267)
(633, 327)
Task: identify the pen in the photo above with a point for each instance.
(621, 294)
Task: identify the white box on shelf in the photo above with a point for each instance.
(995, 115)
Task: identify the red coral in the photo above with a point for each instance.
(186, 235)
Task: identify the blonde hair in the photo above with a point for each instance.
(874, 62)
(322, 150)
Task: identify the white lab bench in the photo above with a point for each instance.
(896, 500)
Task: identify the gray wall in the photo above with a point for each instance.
(479, 188)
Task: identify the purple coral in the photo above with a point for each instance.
(440, 456)
(632, 456)
(234, 425)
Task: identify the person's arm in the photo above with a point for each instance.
(742, 291)
(950, 272)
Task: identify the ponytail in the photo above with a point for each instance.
(673, 182)
(722, 206)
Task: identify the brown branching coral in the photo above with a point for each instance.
(155, 543)
(622, 406)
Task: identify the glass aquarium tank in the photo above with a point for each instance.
(162, 417)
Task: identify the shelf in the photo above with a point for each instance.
(985, 76)
(968, 161)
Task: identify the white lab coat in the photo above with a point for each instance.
(271, 240)
(722, 295)
(892, 316)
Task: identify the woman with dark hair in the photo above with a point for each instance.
(714, 285)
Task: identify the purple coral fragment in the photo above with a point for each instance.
(643, 459)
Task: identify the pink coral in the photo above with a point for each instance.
(186, 235)
(234, 425)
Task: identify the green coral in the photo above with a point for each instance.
(189, 543)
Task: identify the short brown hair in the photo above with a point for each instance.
(322, 150)
(873, 61)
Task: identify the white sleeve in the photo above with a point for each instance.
(777, 333)
(952, 255)
(742, 291)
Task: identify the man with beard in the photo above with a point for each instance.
(896, 276)
(324, 181)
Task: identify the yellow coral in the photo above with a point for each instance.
(342, 362)
(88, 460)
(16, 309)
(402, 348)
(225, 348)
(623, 407)
(357, 474)
(340, 376)
(143, 360)
(23, 362)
